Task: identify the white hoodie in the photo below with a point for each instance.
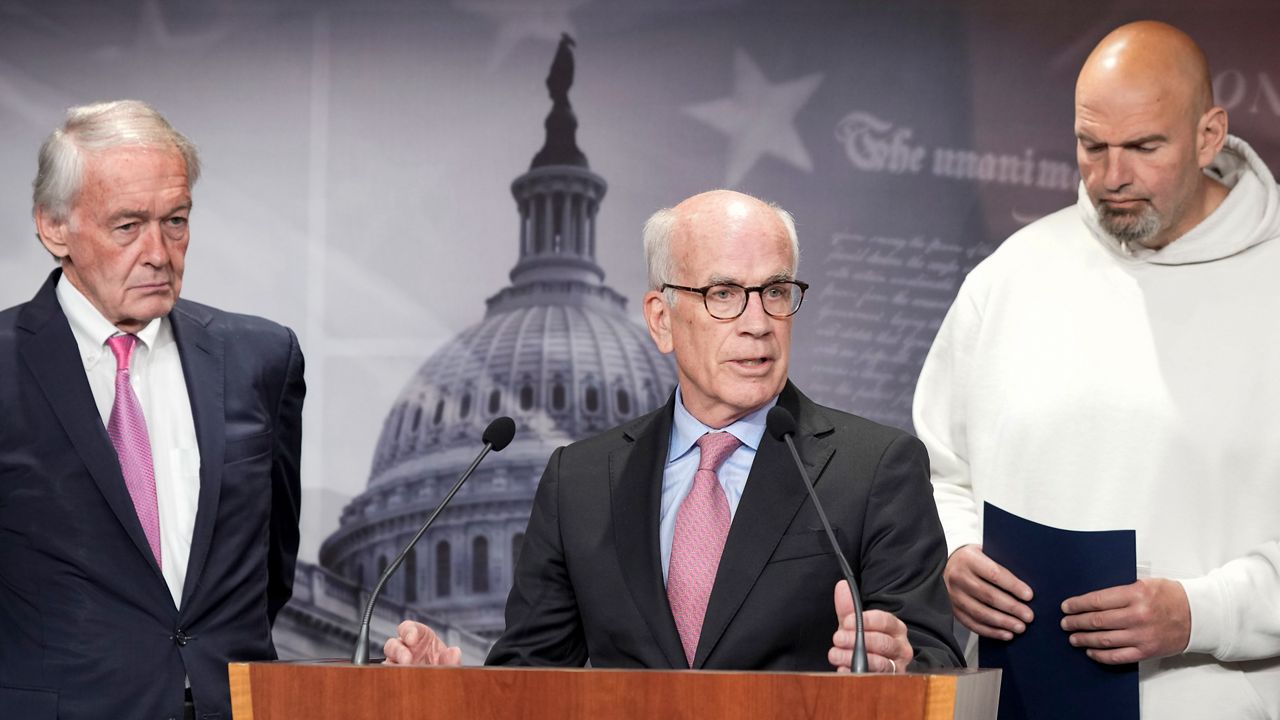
(1088, 387)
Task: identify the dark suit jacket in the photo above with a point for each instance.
(589, 582)
(88, 627)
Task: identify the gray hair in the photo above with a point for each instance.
(661, 226)
(94, 128)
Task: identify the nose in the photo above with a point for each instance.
(153, 251)
(754, 320)
(1116, 175)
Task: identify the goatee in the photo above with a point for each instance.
(1129, 226)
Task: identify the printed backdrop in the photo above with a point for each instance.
(358, 157)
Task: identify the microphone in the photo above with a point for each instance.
(496, 437)
(781, 425)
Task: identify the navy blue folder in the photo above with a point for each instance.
(1045, 678)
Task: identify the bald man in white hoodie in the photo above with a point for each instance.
(1117, 365)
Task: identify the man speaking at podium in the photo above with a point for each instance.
(685, 538)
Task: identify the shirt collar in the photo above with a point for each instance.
(90, 328)
(686, 429)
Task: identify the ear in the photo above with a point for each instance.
(52, 233)
(1211, 135)
(657, 315)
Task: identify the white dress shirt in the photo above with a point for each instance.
(156, 373)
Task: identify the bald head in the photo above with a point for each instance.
(1146, 128)
(1151, 56)
(703, 215)
(726, 204)
(718, 211)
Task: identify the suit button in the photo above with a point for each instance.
(180, 638)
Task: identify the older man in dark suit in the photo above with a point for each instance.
(684, 539)
(149, 488)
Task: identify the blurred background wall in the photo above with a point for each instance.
(359, 159)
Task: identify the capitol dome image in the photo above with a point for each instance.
(557, 352)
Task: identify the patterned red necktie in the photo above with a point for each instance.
(702, 524)
(128, 431)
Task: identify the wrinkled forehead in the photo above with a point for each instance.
(129, 175)
(1124, 110)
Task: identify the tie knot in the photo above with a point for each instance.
(122, 346)
(715, 448)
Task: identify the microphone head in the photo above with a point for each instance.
(499, 433)
(780, 422)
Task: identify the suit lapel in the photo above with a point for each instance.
(773, 495)
(635, 491)
(53, 358)
(203, 370)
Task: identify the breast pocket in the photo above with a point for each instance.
(247, 447)
(803, 544)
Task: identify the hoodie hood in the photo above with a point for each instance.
(1249, 215)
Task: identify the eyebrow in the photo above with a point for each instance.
(135, 213)
(782, 276)
(119, 215)
(1145, 139)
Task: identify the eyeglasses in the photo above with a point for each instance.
(726, 301)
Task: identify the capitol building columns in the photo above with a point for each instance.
(557, 351)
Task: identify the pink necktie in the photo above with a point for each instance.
(128, 431)
(702, 524)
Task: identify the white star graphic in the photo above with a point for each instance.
(759, 117)
(523, 19)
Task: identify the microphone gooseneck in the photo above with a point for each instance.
(781, 425)
(496, 437)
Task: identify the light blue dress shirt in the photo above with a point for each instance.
(683, 455)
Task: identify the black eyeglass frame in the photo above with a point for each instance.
(746, 295)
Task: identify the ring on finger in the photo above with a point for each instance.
(893, 667)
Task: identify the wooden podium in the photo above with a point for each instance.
(324, 691)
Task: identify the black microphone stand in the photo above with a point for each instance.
(783, 427)
(496, 437)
